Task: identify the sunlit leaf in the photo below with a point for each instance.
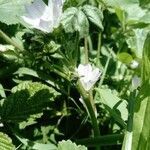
(125, 57)
(11, 10)
(141, 121)
(136, 41)
(73, 20)
(6, 142)
(94, 15)
(68, 145)
(116, 107)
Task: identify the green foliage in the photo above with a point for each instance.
(94, 15)
(145, 3)
(43, 65)
(63, 145)
(131, 11)
(116, 107)
(11, 10)
(136, 41)
(37, 145)
(141, 128)
(76, 19)
(27, 99)
(6, 142)
(125, 57)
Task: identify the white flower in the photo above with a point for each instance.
(43, 17)
(134, 64)
(88, 76)
(136, 82)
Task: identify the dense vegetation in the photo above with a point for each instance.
(75, 74)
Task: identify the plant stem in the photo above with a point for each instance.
(127, 142)
(112, 139)
(104, 72)
(87, 100)
(90, 44)
(98, 49)
(86, 50)
(10, 41)
(103, 76)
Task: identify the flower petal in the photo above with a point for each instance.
(45, 25)
(57, 11)
(36, 9)
(95, 74)
(33, 22)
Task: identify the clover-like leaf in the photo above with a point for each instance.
(94, 15)
(73, 20)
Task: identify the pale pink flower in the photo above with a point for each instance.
(88, 76)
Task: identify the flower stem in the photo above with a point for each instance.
(87, 100)
(98, 49)
(86, 50)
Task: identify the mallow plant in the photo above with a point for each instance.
(74, 74)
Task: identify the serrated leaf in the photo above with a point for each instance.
(141, 120)
(116, 106)
(68, 145)
(11, 10)
(73, 20)
(6, 142)
(94, 15)
(28, 98)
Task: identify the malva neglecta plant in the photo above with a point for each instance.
(75, 74)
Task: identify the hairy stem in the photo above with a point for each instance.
(87, 100)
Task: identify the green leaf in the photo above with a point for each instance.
(94, 15)
(6, 142)
(116, 107)
(36, 145)
(11, 10)
(27, 99)
(2, 92)
(136, 41)
(125, 57)
(145, 3)
(68, 145)
(141, 120)
(132, 11)
(73, 20)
